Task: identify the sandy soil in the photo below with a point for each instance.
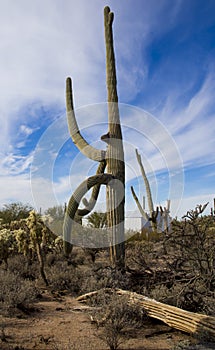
(59, 324)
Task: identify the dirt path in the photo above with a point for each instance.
(60, 325)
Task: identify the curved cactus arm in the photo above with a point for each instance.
(142, 211)
(77, 138)
(83, 188)
(89, 205)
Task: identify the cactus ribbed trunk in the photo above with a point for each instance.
(112, 158)
(114, 153)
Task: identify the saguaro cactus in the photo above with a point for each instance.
(158, 218)
(113, 158)
(152, 213)
(115, 154)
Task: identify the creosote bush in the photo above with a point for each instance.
(190, 250)
(179, 269)
(15, 292)
(116, 318)
(20, 265)
(64, 277)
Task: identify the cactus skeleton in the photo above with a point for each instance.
(112, 158)
(152, 214)
(152, 217)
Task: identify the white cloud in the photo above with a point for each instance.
(15, 189)
(26, 130)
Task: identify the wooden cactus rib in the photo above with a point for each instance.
(180, 319)
(74, 203)
(177, 318)
(79, 141)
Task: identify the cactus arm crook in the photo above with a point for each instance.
(72, 208)
(89, 205)
(77, 138)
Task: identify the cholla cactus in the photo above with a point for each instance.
(24, 243)
(7, 244)
(35, 226)
(58, 244)
(37, 236)
(27, 236)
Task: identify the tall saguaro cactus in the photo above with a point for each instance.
(112, 158)
(115, 154)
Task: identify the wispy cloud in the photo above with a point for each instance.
(164, 64)
(192, 124)
(14, 164)
(41, 46)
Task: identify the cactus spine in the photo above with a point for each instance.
(113, 158)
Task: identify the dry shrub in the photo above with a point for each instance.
(190, 345)
(99, 277)
(64, 277)
(22, 266)
(15, 292)
(117, 319)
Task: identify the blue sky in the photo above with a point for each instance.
(165, 56)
